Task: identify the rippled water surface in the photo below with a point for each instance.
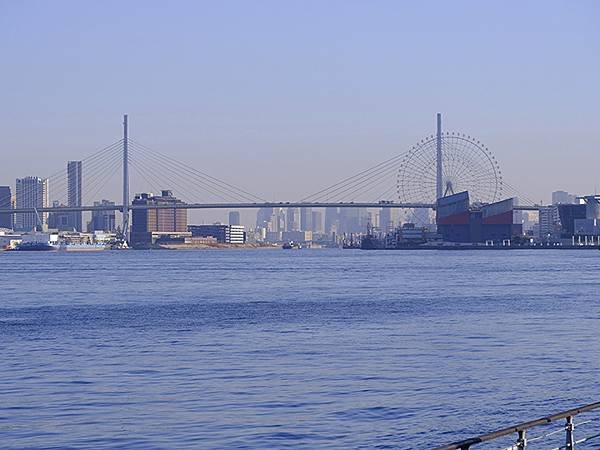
(303, 349)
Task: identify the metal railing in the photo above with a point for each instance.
(522, 428)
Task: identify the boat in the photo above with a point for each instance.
(43, 242)
(38, 242)
(72, 247)
(291, 246)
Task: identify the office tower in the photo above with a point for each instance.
(353, 220)
(234, 218)
(317, 222)
(74, 193)
(144, 222)
(388, 219)
(60, 220)
(277, 221)
(5, 202)
(562, 198)
(263, 217)
(331, 220)
(306, 219)
(31, 192)
(103, 220)
(293, 219)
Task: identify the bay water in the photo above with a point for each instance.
(291, 349)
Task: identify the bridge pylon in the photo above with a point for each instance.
(125, 180)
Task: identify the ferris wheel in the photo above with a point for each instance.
(466, 165)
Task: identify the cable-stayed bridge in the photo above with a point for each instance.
(437, 166)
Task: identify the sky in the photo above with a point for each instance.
(285, 98)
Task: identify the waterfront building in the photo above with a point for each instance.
(224, 234)
(568, 214)
(590, 226)
(103, 220)
(274, 236)
(458, 221)
(31, 192)
(5, 202)
(306, 219)
(74, 193)
(237, 234)
(296, 236)
(234, 218)
(144, 222)
(548, 222)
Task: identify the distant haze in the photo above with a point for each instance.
(284, 98)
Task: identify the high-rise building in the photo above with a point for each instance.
(306, 219)
(263, 217)
(353, 220)
(563, 198)
(549, 222)
(234, 218)
(31, 192)
(144, 222)
(388, 219)
(74, 193)
(60, 220)
(293, 219)
(331, 220)
(5, 202)
(103, 220)
(277, 221)
(317, 222)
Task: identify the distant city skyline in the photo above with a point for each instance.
(291, 121)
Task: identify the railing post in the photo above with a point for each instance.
(521, 441)
(570, 440)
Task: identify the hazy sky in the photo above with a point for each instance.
(285, 97)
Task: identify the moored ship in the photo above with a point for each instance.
(39, 242)
(53, 242)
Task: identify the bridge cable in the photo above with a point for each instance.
(61, 176)
(145, 166)
(352, 178)
(176, 170)
(225, 185)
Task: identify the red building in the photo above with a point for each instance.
(459, 221)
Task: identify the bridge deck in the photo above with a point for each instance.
(239, 206)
